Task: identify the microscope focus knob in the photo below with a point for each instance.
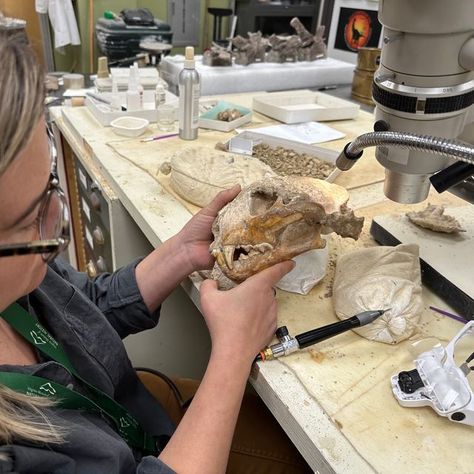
(381, 126)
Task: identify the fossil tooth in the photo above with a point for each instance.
(219, 257)
(229, 256)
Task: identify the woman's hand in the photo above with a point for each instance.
(196, 236)
(243, 320)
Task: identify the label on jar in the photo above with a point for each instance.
(82, 179)
(89, 238)
(86, 208)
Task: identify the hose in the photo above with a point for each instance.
(429, 144)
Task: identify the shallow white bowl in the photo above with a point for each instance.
(129, 126)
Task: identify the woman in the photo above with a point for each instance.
(60, 333)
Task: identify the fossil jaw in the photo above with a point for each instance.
(234, 256)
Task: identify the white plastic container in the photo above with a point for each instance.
(318, 152)
(129, 126)
(212, 107)
(105, 114)
(304, 106)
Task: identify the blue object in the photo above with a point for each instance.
(220, 107)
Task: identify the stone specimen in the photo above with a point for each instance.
(311, 47)
(277, 218)
(229, 115)
(217, 56)
(381, 278)
(284, 48)
(434, 218)
(197, 174)
(290, 163)
(250, 50)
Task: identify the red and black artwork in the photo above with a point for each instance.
(357, 29)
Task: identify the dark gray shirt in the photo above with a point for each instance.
(89, 318)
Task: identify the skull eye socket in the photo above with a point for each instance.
(261, 202)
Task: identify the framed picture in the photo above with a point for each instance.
(354, 25)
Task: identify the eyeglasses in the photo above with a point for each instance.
(53, 220)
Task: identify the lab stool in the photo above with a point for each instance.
(219, 14)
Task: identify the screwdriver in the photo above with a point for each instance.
(289, 344)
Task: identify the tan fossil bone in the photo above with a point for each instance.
(199, 173)
(277, 218)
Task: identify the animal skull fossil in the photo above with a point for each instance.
(275, 219)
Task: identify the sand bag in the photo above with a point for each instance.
(381, 278)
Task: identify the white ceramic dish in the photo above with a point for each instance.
(304, 106)
(129, 126)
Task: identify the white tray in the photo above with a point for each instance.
(318, 152)
(206, 104)
(105, 116)
(304, 106)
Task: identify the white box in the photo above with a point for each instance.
(318, 152)
(304, 106)
(104, 114)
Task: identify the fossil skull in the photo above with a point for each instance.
(275, 219)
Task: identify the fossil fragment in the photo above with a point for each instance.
(312, 47)
(275, 219)
(434, 218)
(284, 48)
(217, 55)
(199, 173)
(228, 115)
(290, 163)
(250, 50)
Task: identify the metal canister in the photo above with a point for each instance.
(367, 63)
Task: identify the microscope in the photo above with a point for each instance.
(424, 130)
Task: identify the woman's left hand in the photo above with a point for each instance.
(196, 236)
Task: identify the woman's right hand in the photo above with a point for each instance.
(243, 320)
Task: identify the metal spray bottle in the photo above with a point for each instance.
(189, 92)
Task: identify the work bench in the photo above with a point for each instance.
(334, 399)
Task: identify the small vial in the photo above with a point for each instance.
(160, 95)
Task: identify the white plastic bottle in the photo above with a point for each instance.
(116, 102)
(133, 96)
(139, 85)
(189, 92)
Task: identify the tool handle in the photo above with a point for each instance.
(320, 334)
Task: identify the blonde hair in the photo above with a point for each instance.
(22, 97)
(21, 105)
(22, 418)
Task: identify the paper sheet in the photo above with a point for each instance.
(307, 132)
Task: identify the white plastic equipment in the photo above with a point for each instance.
(441, 384)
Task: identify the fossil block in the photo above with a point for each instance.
(199, 173)
(434, 218)
(277, 218)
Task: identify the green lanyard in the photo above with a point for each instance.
(31, 329)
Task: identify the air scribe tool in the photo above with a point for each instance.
(289, 344)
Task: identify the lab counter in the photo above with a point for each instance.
(333, 399)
